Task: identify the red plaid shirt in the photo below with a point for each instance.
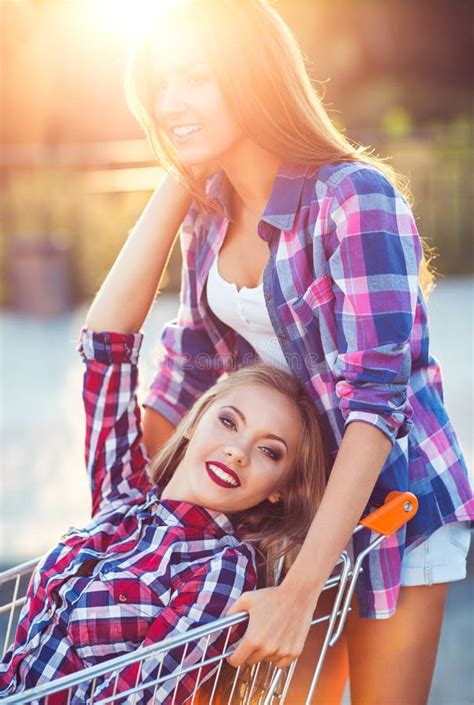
(143, 570)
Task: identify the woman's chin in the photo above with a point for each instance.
(192, 157)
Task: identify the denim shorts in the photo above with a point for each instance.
(439, 559)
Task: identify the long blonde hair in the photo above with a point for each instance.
(273, 529)
(262, 74)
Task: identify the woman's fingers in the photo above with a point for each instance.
(240, 605)
(276, 631)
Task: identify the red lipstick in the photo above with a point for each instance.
(219, 480)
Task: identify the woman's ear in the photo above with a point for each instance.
(275, 497)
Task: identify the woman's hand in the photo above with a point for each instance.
(277, 630)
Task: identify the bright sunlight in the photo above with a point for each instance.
(123, 16)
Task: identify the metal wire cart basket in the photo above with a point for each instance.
(263, 684)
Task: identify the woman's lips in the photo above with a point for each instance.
(213, 468)
(184, 138)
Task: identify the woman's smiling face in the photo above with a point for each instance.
(240, 452)
(187, 101)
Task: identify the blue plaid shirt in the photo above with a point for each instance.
(341, 289)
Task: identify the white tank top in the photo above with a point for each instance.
(245, 311)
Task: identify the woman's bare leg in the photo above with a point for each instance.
(392, 660)
(335, 672)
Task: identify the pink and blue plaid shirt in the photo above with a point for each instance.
(143, 570)
(341, 289)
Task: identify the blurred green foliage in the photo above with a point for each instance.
(56, 206)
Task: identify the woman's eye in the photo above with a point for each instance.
(197, 79)
(273, 454)
(227, 422)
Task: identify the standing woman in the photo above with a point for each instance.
(301, 250)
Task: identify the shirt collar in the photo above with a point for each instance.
(284, 200)
(174, 512)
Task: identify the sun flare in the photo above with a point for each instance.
(123, 16)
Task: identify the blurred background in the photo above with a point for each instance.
(75, 173)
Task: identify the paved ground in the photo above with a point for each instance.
(42, 478)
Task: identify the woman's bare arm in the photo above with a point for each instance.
(362, 453)
(127, 293)
(156, 430)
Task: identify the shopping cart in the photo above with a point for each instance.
(263, 684)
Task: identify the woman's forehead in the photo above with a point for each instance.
(175, 49)
(253, 400)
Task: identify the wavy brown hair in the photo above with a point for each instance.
(274, 529)
(261, 71)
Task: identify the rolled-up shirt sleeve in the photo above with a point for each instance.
(374, 257)
(115, 455)
(189, 362)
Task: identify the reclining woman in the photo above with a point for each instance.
(173, 543)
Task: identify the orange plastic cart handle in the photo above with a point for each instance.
(398, 508)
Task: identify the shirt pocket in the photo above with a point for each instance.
(319, 293)
(112, 614)
(313, 312)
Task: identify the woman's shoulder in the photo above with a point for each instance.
(228, 561)
(232, 548)
(237, 554)
(239, 558)
(353, 177)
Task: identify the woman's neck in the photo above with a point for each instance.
(251, 171)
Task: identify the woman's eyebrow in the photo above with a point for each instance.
(183, 68)
(268, 435)
(191, 65)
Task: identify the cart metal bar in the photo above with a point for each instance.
(350, 592)
(11, 607)
(329, 639)
(21, 569)
(331, 618)
(269, 687)
(10, 616)
(93, 672)
(143, 653)
(14, 574)
(198, 678)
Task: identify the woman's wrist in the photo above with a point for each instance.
(302, 588)
(178, 193)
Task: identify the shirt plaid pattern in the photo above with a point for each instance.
(143, 570)
(341, 289)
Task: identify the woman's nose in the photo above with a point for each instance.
(237, 454)
(169, 101)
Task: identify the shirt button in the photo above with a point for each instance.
(122, 597)
(282, 337)
(267, 295)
